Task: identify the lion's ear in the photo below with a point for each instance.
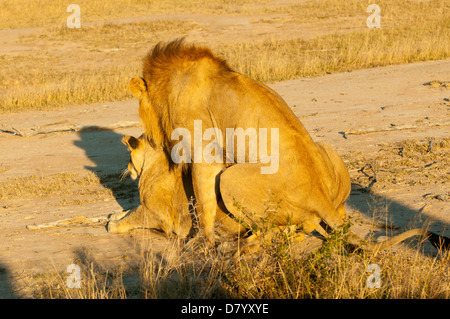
(137, 87)
(131, 142)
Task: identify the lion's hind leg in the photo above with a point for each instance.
(204, 179)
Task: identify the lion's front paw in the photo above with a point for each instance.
(117, 216)
(113, 227)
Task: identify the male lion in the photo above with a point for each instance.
(184, 84)
(167, 199)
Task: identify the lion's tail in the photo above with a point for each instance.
(436, 240)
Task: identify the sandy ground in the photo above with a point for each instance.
(388, 105)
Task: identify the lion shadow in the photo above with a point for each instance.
(110, 157)
(153, 275)
(393, 217)
(6, 289)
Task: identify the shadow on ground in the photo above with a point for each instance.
(105, 149)
(155, 278)
(6, 290)
(395, 215)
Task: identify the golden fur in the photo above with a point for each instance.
(182, 83)
(164, 205)
(167, 199)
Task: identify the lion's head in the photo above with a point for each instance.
(163, 71)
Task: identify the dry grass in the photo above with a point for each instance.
(277, 271)
(68, 188)
(80, 87)
(35, 186)
(110, 53)
(334, 272)
(274, 60)
(113, 35)
(438, 83)
(25, 13)
(53, 80)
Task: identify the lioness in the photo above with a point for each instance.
(165, 195)
(183, 84)
(164, 205)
